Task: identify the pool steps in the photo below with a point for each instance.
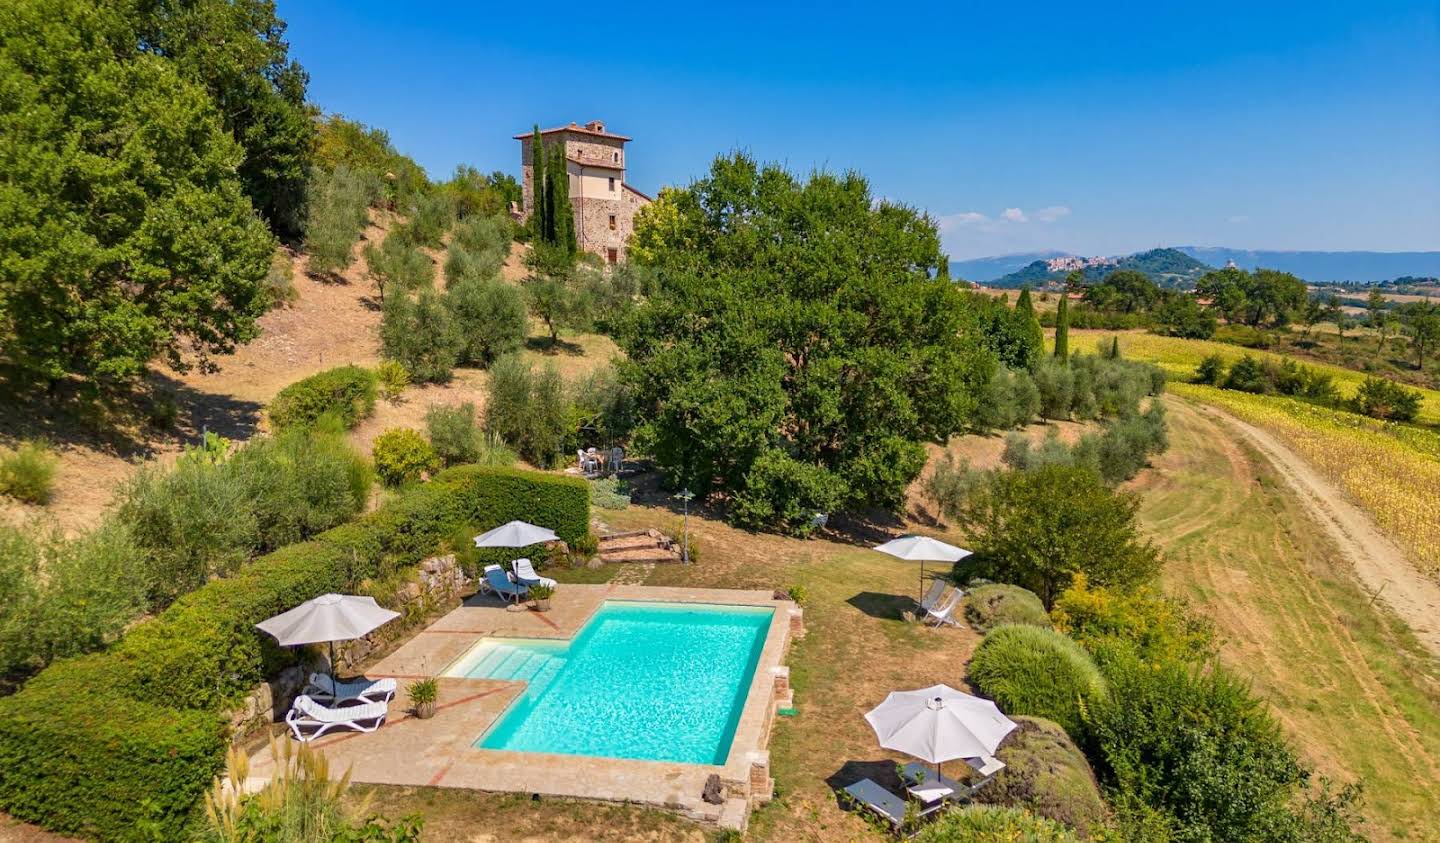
(502, 661)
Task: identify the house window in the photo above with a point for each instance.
(616, 157)
(612, 184)
(612, 222)
(612, 256)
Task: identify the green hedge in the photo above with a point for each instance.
(121, 744)
(1039, 672)
(347, 391)
(988, 606)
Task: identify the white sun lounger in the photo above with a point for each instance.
(945, 614)
(879, 801)
(932, 596)
(525, 574)
(322, 687)
(307, 715)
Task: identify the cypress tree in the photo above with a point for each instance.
(562, 214)
(1030, 323)
(1062, 328)
(1023, 304)
(538, 176)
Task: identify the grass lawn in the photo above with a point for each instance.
(1349, 682)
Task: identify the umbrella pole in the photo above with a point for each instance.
(333, 677)
(921, 598)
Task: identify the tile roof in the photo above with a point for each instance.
(573, 127)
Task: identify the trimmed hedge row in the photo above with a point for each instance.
(346, 391)
(120, 745)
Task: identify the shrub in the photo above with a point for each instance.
(784, 493)
(1158, 627)
(429, 217)
(338, 200)
(454, 434)
(214, 510)
(393, 379)
(528, 411)
(422, 335)
(347, 392)
(278, 287)
(65, 596)
(398, 267)
(28, 472)
(1056, 383)
(1248, 375)
(1197, 746)
(1211, 370)
(1039, 528)
(994, 604)
(488, 235)
(991, 824)
(491, 317)
(402, 456)
(609, 493)
(1046, 775)
(1011, 400)
(1036, 671)
(122, 743)
(950, 483)
(1384, 399)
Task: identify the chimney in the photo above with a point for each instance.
(595, 126)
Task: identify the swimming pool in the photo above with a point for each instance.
(653, 681)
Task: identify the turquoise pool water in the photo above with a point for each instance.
(655, 681)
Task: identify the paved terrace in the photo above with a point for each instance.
(439, 752)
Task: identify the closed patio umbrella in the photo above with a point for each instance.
(515, 534)
(939, 724)
(328, 618)
(922, 549)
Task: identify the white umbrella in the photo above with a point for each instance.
(922, 549)
(938, 724)
(329, 617)
(515, 534)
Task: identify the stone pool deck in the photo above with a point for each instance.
(439, 752)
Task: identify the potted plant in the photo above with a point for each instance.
(423, 693)
(541, 594)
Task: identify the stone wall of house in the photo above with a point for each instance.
(437, 583)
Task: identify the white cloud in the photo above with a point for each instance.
(1014, 215)
(967, 219)
(1239, 219)
(1052, 213)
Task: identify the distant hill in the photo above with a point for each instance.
(1359, 267)
(1167, 267)
(985, 270)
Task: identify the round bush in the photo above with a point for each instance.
(1046, 775)
(993, 824)
(1035, 671)
(403, 456)
(989, 606)
(347, 392)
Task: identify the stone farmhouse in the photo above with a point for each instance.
(604, 204)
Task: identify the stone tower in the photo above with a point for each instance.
(604, 204)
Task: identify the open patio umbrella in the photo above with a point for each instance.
(939, 724)
(922, 549)
(515, 534)
(328, 618)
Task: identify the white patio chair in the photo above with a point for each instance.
(307, 715)
(937, 588)
(945, 614)
(525, 574)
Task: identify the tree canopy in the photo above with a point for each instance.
(124, 231)
(1265, 296)
(797, 321)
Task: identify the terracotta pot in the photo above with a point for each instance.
(425, 711)
(542, 604)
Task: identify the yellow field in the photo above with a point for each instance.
(1179, 357)
(1392, 471)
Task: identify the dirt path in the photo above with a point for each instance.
(1380, 565)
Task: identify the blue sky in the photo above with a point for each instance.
(1092, 128)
